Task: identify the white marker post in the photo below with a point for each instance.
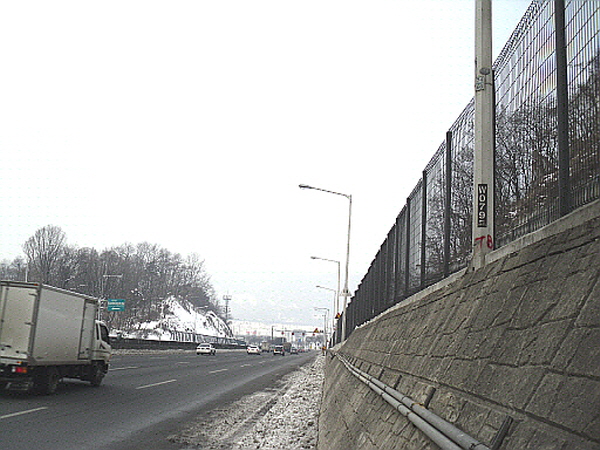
(483, 160)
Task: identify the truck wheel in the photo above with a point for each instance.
(46, 383)
(53, 380)
(96, 375)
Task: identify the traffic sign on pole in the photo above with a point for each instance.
(115, 304)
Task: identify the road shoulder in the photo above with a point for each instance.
(282, 417)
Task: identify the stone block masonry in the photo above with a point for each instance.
(518, 339)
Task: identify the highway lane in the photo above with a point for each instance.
(143, 398)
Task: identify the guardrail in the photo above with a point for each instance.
(218, 342)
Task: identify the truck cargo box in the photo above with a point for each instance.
(44, 325)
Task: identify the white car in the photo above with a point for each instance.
(279, 350)
(206, 349)
(253, 350)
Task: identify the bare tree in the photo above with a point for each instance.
(44, 250)
(584, 135)
(13, 270)
(144, 274)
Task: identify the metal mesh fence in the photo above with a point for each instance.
(431, 237)
(415, 203)
(583, 50)
(432, 256)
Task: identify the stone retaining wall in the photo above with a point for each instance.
(518, 339)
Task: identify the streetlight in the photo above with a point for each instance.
(326, 310)
(345, 292)
(106, 277)
(334, 301)
(337, 295)
(102, 287)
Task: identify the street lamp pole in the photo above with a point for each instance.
(337, 294)
(102, 286)
(345, 292)
(326, 313)
(334, 302)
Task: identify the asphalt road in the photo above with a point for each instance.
(143, 399)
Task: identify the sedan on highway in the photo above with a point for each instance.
(253, 350)
(206, 349)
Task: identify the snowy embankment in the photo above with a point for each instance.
(180, 321)
(283, 418)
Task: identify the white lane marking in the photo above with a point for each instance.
(217, 371)
(245, 365)
(155, 384)
(183, 362)
(123, 368)
(6, 416)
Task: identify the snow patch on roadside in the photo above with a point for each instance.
(285, 417)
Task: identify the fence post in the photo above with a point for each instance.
(562, 109)
(423, 228)
(407, 251)
(447, 203)
(391, 268)
(398, 257)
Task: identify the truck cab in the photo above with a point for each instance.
(100, 355)
(101, 349)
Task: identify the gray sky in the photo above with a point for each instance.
(190, 124)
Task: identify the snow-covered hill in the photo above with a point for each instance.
(180, 321)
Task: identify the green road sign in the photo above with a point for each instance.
(115, 304)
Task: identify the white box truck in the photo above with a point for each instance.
(47, 334)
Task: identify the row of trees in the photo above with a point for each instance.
(142, 274)
(527, 157)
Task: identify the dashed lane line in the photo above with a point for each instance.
(155, 384)
(20, 413)
(217, 371)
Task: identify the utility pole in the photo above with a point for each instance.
(103, 299)
(227, 298)
(483, 160)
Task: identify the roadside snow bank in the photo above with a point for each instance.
(285, 418)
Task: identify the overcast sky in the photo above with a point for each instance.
(190, 124)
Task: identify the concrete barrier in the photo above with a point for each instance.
(149, 344)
